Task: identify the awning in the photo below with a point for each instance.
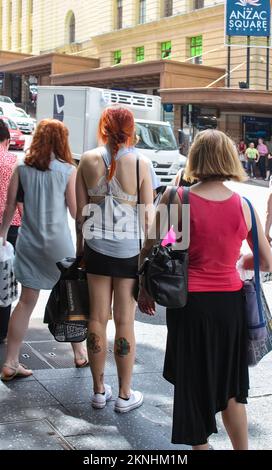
(151, 74)
(49, 64)
(225, 99)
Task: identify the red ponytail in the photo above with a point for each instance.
(116, 128)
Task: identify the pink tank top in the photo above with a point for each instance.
(217, 230)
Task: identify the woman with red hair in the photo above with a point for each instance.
(46, 180)
(107, 184)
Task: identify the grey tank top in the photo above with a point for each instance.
(112, 228)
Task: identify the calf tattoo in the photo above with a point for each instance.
(122, 347)
(93, 343)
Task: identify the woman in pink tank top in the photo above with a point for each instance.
(206, 353)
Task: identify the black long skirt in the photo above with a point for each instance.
(206, 361)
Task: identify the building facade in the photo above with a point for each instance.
(124, 32)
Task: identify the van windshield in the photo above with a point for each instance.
(155, 136)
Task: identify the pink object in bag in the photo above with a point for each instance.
(170, 237)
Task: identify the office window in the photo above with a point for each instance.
(139, 54)
(198, 4)
(142, 11)
(167, 8)
(166, 49)
(119, 22)
(196, 49)
(72, 29)
(117, 57)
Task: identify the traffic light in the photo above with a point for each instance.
(195, 113)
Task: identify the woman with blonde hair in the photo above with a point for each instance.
(107, 180)
(46, 180)
(206, 354)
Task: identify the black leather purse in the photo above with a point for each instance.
(165, 271)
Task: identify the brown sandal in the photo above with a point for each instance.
(16, 372)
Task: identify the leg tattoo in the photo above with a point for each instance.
(122, 347)
(93, 343)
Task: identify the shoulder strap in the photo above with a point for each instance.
(184, 200)
(256, 263)
(138, 198)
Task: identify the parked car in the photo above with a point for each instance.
(17, 139)
(6, 99)
(23, 120)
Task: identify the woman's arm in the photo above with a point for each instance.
(268, 221)
(11, 204)
(146, 196)
(70, 194)
(82, 200)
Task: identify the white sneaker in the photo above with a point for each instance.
(99, 400)
(135, 400)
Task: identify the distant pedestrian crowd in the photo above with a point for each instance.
(257, 161)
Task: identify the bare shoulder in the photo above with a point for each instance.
(90, 159)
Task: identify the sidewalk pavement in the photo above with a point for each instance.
(51, 410)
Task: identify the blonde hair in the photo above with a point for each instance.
(213, 156)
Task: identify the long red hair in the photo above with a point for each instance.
(51, 136)
(116, 128)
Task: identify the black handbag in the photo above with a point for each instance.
(165, 271)
(67, 309)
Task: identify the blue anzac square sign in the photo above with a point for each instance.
(248, 17)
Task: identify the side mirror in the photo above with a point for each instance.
(181, 136)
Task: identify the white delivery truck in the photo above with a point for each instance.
(80, 109)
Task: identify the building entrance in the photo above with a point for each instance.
(257, 127)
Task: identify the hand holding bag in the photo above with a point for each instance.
(165, 271)
(258, 315)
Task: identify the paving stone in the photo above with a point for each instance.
(31, 435)
(17, 394)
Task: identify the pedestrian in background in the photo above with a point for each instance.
(207, 346)
(47, 181)
(269, 159)
(107, 177)
(252, 156)
(241, 147)
(8, 162)
(262, 160)
(268, 222)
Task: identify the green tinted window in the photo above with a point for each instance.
(166, 49)
(196, 49)
(117, 57)
(139, 54)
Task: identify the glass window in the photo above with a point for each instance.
(72, 29)
(139, 54)
(167, 8)
(198, 4)
(119, 22)
(154, 136)
(196, 49)
(117, 57)
(142, 11)
(166, 49)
